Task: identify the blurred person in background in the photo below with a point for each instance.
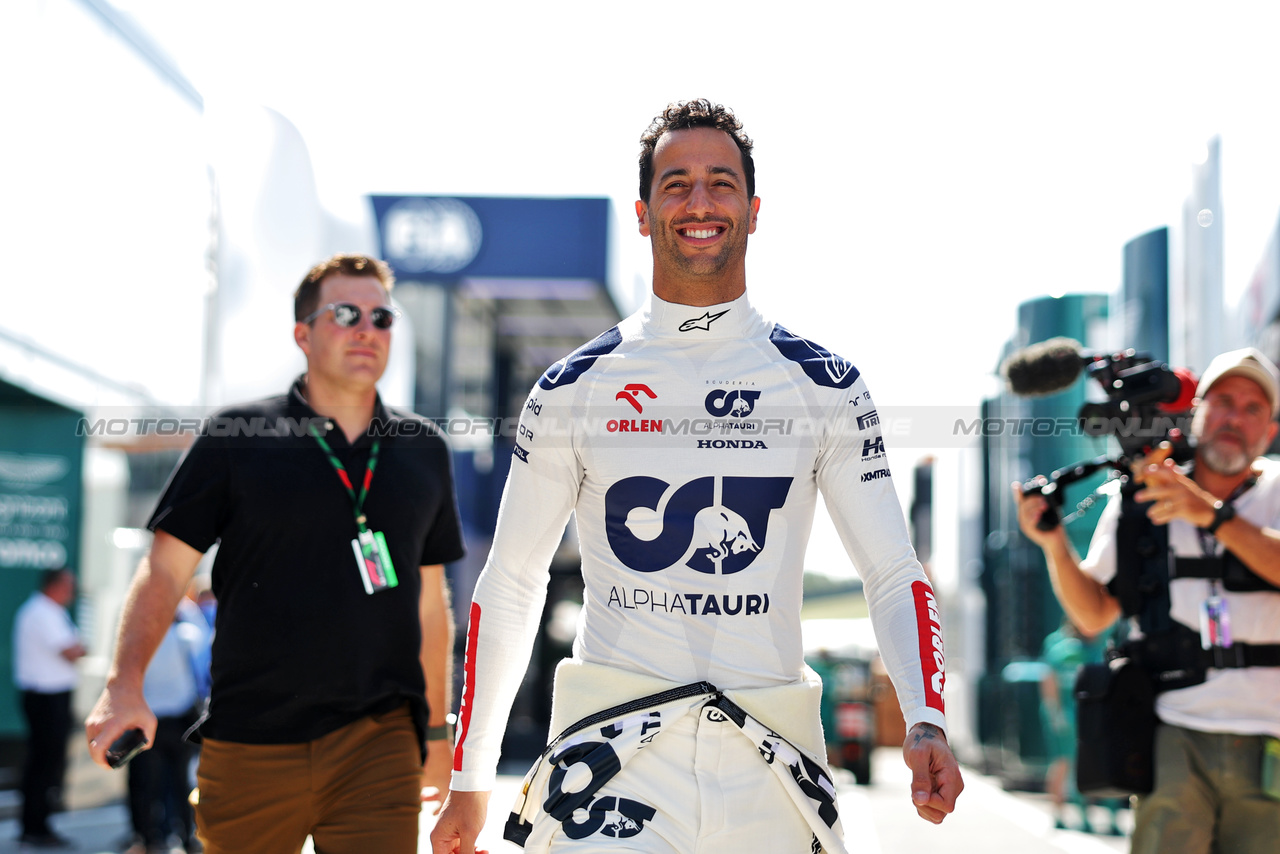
(1064, 651)
(160, 782)
(46, 647)
(334, 517)
(205, 600)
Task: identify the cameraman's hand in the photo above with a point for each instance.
(1030, 509)
(1172, 494)
(1152, 461)
(1086, 601)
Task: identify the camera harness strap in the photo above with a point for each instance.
(1176, 655)
(1221, 567)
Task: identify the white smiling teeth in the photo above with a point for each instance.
(701, 233)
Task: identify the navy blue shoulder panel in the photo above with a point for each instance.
(820, 364)
(577, 363)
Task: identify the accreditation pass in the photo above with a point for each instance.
(373, 561)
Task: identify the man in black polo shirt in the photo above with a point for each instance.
(334, 517)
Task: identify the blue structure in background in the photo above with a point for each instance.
(1145, 292)
(492, 237)
(496, 290)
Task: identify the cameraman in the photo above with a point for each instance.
(1211, 743)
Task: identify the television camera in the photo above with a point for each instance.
(1146, 404)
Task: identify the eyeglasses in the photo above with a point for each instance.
(347, 315)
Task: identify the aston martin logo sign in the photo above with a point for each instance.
(24, 471)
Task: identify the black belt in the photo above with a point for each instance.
(1242, 654)
(1227, 568)
(1175, 658)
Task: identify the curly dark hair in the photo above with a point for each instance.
(699, 113)
(306, 298)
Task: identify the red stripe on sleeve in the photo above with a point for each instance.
(933, 661)
(468, 685)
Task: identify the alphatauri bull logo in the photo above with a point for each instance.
(722, 532)
(618, 825)
(738, 403)
(711, 524)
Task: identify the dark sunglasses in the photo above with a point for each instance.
(347, 315)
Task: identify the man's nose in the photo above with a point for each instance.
(700, 201)
(1232, 421)
(364, 327)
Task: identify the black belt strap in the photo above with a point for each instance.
(1196, 567)
(1241, 654)
(1175, 658)
(1227, 568)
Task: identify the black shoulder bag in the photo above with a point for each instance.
(1116, 700)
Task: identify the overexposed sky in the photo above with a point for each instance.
(923, 167)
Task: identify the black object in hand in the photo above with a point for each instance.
(125, 748)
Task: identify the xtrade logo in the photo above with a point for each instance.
(872, 449)
(736, 404)
(875, 475)
(704, 322)
(711, 524)
(629, 392)
(871, 419)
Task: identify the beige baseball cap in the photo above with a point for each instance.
(1248, 363)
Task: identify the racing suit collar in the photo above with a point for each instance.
(736, 319)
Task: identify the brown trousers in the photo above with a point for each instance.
(1208, 797)
(354, 791)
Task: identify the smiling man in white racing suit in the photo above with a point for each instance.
(691, 442)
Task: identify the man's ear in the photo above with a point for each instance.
(642, 213)
(755, 212)
(302, 337)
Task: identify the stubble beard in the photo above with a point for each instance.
(703, 264)
(1226, 461)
